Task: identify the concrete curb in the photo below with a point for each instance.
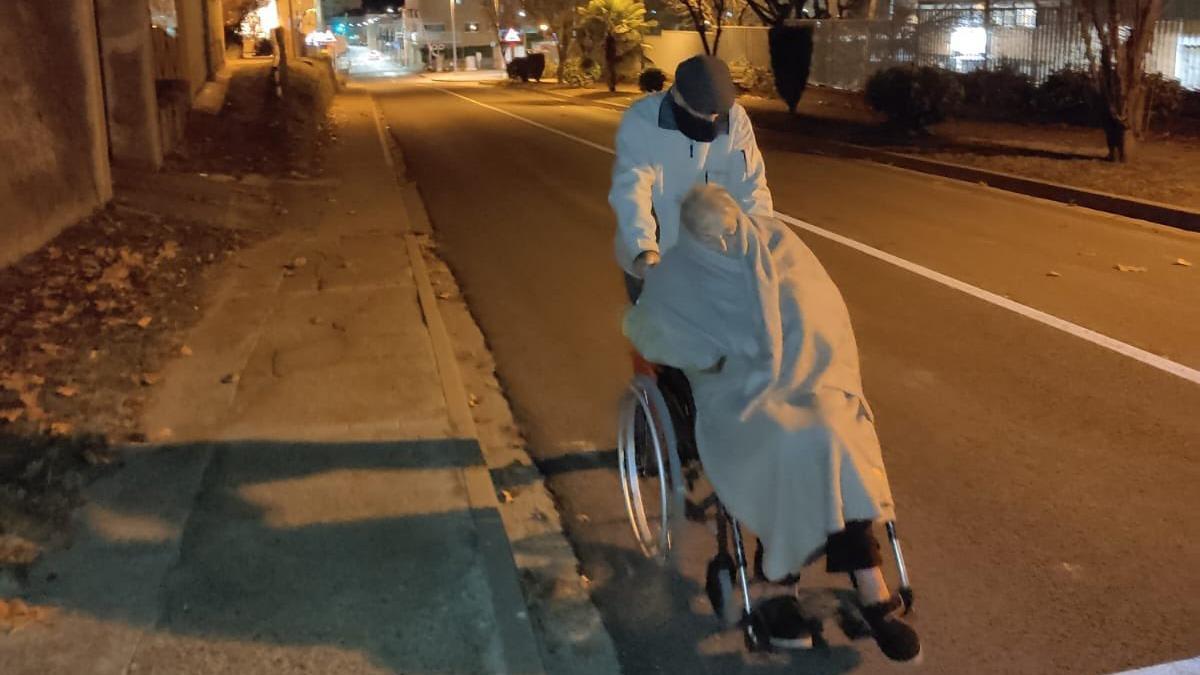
(1154, 212)
(521, 647)
(570, 632)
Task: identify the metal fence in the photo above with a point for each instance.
(1037, 42)
(845, 52)
(1041, 41)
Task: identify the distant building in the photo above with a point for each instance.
(433, 31)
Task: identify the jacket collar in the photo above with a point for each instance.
(666, 117)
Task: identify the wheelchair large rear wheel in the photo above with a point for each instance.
(649, 467)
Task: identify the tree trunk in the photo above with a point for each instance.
(564, 48)
(1120, 141)
(610, 59)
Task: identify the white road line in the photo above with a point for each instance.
(1099, 339)
(530, 122)
(1188, 667)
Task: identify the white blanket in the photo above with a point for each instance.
(783, 429)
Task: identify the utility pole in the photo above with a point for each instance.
(453, 35)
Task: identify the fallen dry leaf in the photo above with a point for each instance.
(1183, 263)
(66, 391)
(61, 428)
(145, 321)
(1129, 268)
(116, 276)
(169, 250)
(230, 378)
(150, 379)
(162, 434)
(506, 497)
(473, 400)
(583, 518)
(16, 550)
(300, 261)
(33, 410)
(11, 415)
(16, 614)
(185, 350)
(52, 349)
(1052, 273)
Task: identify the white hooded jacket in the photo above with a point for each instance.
(657, 164)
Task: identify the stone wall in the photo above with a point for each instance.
(53, 139)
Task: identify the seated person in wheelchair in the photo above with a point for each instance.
(784, 432)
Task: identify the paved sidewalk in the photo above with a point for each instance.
(320, 507)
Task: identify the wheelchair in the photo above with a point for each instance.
(659, 466)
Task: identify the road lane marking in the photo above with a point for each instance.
(1187, 667)
(1099, 339)
(1125, 349)
(528, 121)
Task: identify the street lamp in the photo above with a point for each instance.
(453, 35)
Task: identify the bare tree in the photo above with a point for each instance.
(499, 13)
(561, 16)
(1124, 31)
(710, 16)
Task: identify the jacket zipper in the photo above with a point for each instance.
(692, 150)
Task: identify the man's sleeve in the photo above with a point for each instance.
(751, 192)
(630, 196)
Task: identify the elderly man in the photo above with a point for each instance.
(693, 134)
(783, 429)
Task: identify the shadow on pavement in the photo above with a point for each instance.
(336, 557)
(658, 614)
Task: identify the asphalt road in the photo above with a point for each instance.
(1048, 487)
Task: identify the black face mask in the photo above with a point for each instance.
(695, 128)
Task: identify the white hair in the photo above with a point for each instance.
(708, 213)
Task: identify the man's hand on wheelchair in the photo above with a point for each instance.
(644, 261)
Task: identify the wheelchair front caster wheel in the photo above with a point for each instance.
(756, 633)
(718, 584)
(906, 597)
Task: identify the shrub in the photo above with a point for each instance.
(912, 97)
(1190, 104)
(1069, 96)
(651, 80)
(1000, 93)
(516, 69)
(581, 72)
(527, 68)
(791, 50)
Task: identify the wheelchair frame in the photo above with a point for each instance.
(650, 460)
